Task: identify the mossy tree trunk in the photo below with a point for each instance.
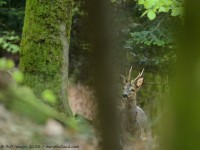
(45, 47)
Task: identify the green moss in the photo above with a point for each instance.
(41, 55)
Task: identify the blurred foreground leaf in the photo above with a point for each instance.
(23, 101)
(48, 96)
(18, 76)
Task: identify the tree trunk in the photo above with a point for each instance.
(186, 102)
(45, 47)
(103, 57)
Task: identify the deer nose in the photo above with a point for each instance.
(125, 95)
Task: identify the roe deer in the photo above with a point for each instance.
(134, 120)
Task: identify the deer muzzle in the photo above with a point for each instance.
(125, 95)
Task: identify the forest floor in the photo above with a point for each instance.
(19, 133)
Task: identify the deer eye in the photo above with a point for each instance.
(132, 90)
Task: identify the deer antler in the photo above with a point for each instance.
(129, 75)
(139, 75)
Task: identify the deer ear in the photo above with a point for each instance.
(138, 82)
(123, 78)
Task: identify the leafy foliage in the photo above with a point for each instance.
(2, 2)
(157, 33)
(10, 42)
(153, 7)
(150, 43)
(11, 21)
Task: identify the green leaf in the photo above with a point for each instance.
(1, 40)
(10, 64)
(14, 48)
(149, 4)
(140, 2)
(162, 9)
(18, 76)
(48, 96)
(168, 2)
(11, 38)
(2, 3)
(151, 15)
(5, 45)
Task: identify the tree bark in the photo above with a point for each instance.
(45, 47)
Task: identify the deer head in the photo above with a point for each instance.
(132, 86)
